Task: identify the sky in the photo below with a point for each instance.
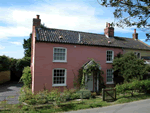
(16, 17)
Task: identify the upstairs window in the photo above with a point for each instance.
(109, 56)
(59, 54)
(137, 54)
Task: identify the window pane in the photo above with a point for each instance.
(63, 50)
(63, 58)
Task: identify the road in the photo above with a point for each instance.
(10, 92)
(142, 106)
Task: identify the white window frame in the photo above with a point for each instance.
(64, 76)
(136, 53)
(65, 54)
(112, 57)
(112, 77)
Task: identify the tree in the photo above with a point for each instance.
(27, 44)
(129, 66)
(4, 63)
(130, 13)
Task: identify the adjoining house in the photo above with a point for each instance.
(57, 54)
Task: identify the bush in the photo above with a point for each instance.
(26, 77)
(129, 66)
(25, 94)
(21, 63)
(4, 63)
(134, 85)
(86, 93)
(93, 95)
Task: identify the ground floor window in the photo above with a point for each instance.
(109, 76)
(59, 77)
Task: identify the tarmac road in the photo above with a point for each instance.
(142, 106)
(10, 92)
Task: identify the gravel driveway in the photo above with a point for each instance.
(10, 92)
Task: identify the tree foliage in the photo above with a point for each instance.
(21, 63)
(130, 12)
(129, 66)
(27, 44)
(4, 63)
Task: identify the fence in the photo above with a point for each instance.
(109, 94)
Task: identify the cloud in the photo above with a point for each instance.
(70, 16)
(16, 43)
(2, 47)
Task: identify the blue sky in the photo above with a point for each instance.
(81, 15)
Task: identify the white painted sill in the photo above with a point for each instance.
(59, 85)
(60, 61)
(109, 62)
(109, 83)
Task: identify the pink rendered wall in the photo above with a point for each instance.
(76, 57)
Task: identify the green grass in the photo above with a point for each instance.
(76, 105)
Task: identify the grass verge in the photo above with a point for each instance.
(75, 105)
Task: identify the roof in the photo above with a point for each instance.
(72, 37)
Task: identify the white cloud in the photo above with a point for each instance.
(71, 16)
(16, 43)
(2, 47)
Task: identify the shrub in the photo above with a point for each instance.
(129, 66)
(86, 93)
(25, 94)
(93, 95)
(4, 63)
(134, 85)
(26, 77)
(21, 63)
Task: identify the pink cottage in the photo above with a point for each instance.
(57, 54)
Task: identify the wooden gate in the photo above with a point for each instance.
(109, 94)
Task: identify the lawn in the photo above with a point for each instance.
(75, 105)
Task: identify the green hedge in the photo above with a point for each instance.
(4, 63)
(143, 85)
(86, 93)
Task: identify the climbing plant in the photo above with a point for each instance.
(95, 68)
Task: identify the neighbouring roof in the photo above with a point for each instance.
(72, 37)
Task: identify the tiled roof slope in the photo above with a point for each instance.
(72, 37)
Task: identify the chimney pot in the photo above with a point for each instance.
(37, 21)
(134, 31)
(135, 35)
(37, 16)
(108, 24)
(109, 31)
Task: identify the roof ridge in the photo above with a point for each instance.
(73, 31)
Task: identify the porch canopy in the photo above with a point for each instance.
(85, 66)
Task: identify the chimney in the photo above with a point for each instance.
(37, 21)
(109, 31)
(135, 35)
